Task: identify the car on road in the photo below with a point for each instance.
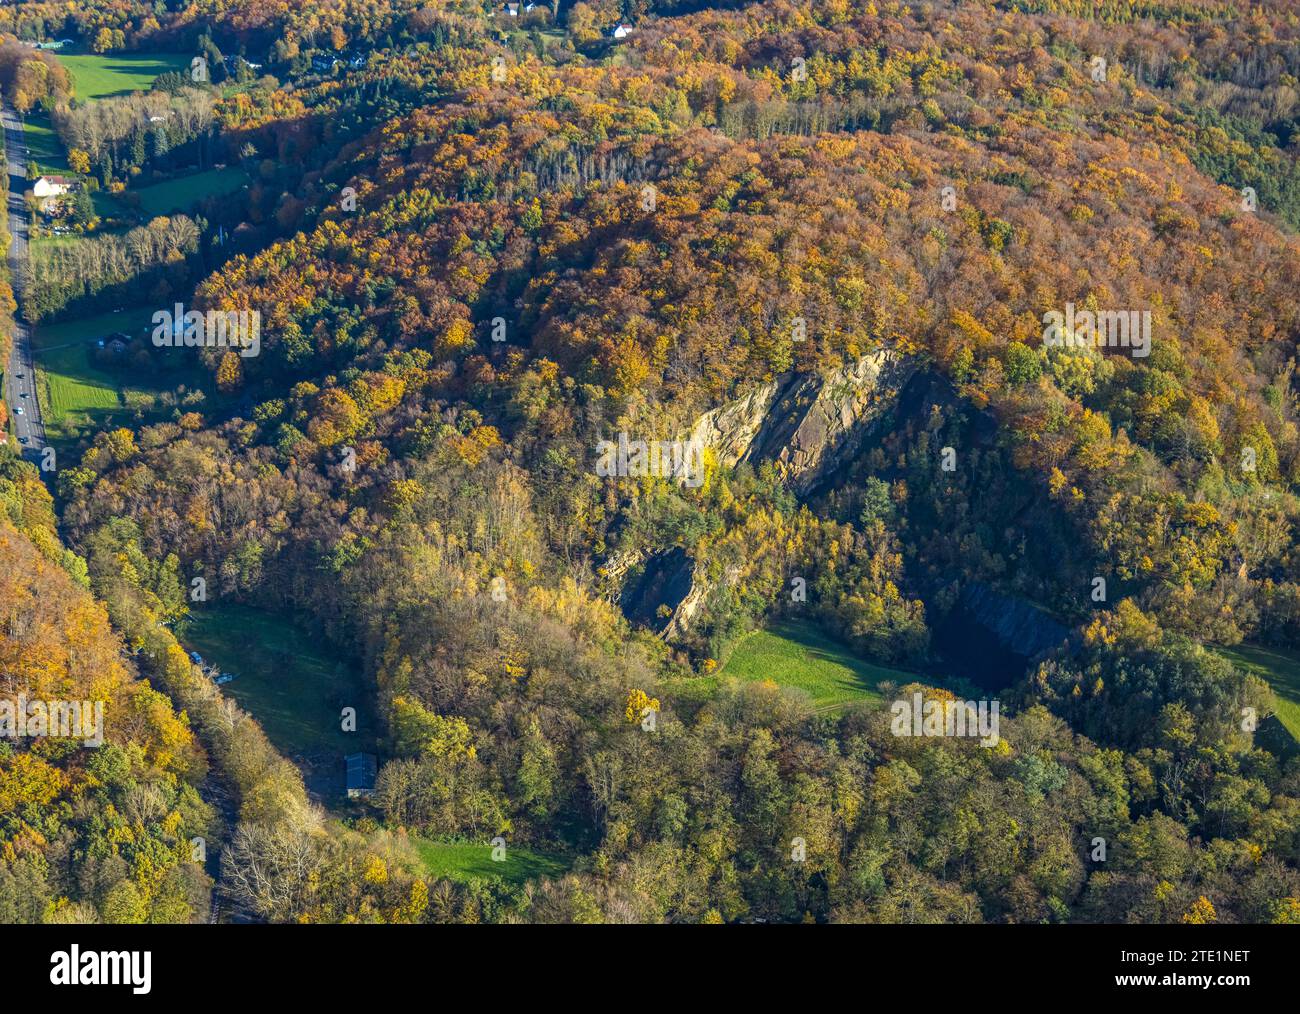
(22, 440)
(18, 410)
(224, 678)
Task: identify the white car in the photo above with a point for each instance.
(18, 410)
(224, 678)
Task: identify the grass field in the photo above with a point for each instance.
(474, 862)
(183, 193)
(800, 655)
(97, 77)
(1282, 671)
(43, 144)
(107, 205)
(75, 393)
(45, 242)
(84, 330)
(291, 682)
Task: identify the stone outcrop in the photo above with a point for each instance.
(730, 430)
(805, 424)
(666, 580)
(687, 608)
(1020, 626)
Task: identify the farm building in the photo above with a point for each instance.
(53, 186)
(361, 770)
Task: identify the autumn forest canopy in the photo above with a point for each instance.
(811, 245)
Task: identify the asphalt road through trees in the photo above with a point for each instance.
(20, 372)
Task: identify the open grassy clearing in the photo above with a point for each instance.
(40, 244)
(183, 193)
(287, 678)
(76, 393)
(97, 76)
(131, 321)
(800, 655)
(458, 861)
(43, 144)
(1281, 668)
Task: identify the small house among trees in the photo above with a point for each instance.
(361, 771)
(53, 186)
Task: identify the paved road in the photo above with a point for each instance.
(20, 373)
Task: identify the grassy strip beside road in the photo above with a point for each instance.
(43, 144)
(77, 395)
(74, 395)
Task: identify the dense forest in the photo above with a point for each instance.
(477, 253)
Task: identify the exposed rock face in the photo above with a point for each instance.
(688, 607)
(990, 638)
(809, 426)
(730, 430)
(616, 567)
(671, 579)
(667, 580)
(805, 424)
(1020, 627)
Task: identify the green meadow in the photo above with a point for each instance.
(800, 655)
(43, 144)
(286, 677)
(183, 193)
(100, 76)
(458, 861)
(76, 393)
(1281, 668)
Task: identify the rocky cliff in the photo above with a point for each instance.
(805, 424)
(1020, 626)
(990, 638)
